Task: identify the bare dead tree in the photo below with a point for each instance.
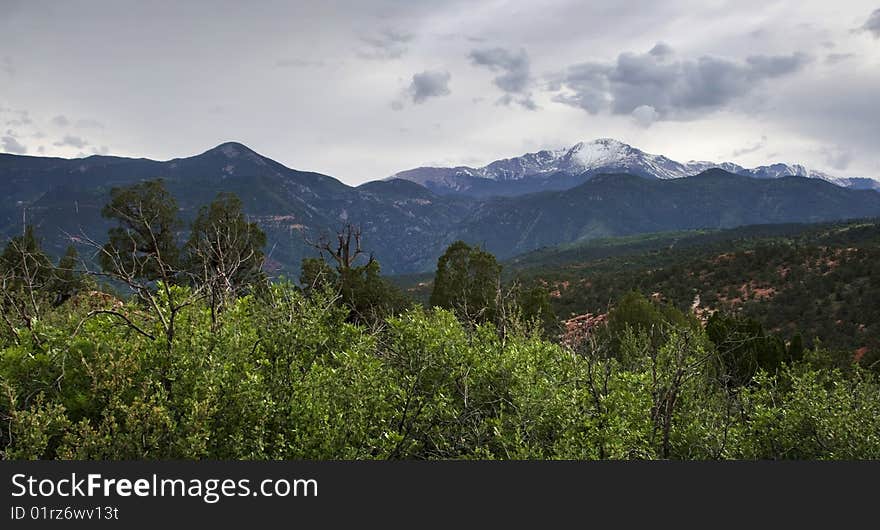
(342, 251)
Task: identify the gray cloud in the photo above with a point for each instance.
(837, 58)
(22, 117)
(429, 84)
(424, 85)
(661, 49)
(839, 110)
(71, 141)
(514, 66)
(757, 146)
(767, 66)
(839, 158)
(60, 121)
(645, 115)
(299, 63)
(11, 145)
(525, 102)
(674, 88)
(386, 44)
(7, 66)
(514, 71)
(174, 114)
(88, 124)
(873, 24)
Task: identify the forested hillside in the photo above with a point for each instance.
(185, 349)
(819, 281)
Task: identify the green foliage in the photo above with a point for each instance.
(224, 254)
(533, 304)
(288, 376)
(332, 370)
(808, 284)
(225, 249)
(467, 281)
(361, 289)
(369, 297)
(143, 244)
(744, 348)
(803, 413)
(316, 275)
(30, 284)
(635, 313)
(24, 261)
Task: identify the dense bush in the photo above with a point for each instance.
(284, 375)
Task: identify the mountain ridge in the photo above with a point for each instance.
(562, 168)
(407, 225)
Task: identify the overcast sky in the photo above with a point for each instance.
(361, 89)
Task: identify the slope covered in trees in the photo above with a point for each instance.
(205, 359)
(817, 281)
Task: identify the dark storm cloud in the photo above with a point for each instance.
(674, 88)
(72, 141)
(514, 73)
(873, 24)
(11, 145)
(386, 44)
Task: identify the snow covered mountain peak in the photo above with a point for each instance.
(555, 168)
(601, 151)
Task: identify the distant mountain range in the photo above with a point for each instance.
(565, 168)
(407, 225)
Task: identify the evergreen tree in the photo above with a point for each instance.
(143, 245)
(468, 282)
